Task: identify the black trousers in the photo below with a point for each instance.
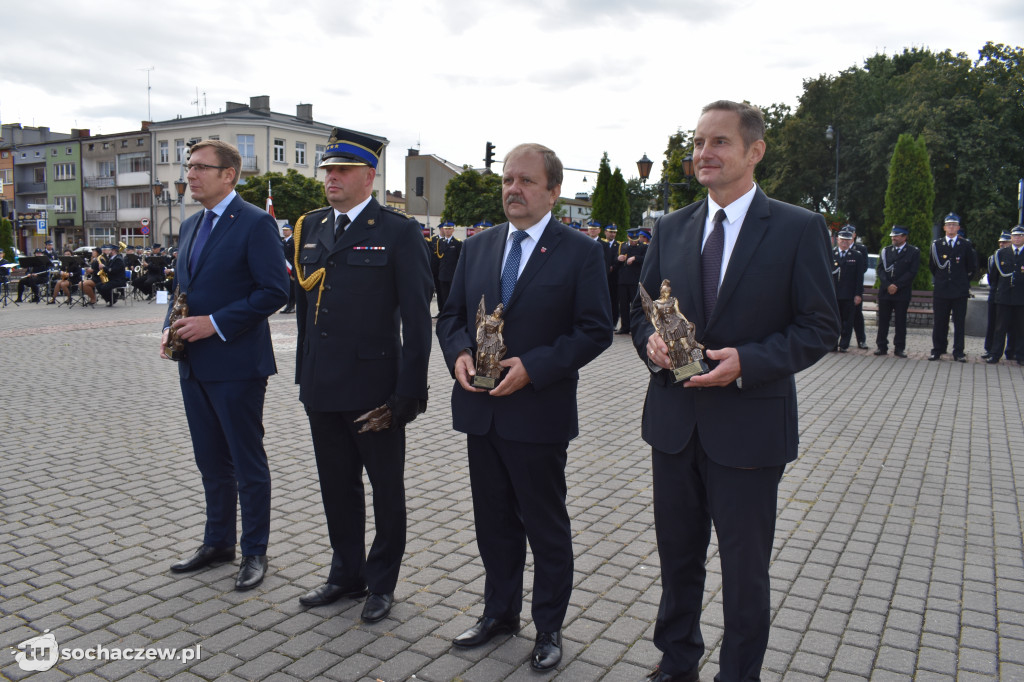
(627, 292)
(846, 312)
(858, 323)
(443, 289)
(1009, 332)
(942, 309)
(613, 296)
(519, 495)
(341, 455)
(990, 325)
(886, 309)
(690, 492)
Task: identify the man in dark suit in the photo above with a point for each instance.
(611, 262)
(953, 262)
(233, 273)
(858, 309)
(550, 280)
(848, 266)
(288, 244)
(1009, 267)
(447, 250)
(631, 260)
(760, 296)
(117, 276)
(993, 305)
(364, 341)
(899, 265)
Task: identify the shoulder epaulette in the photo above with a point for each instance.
(396, 211)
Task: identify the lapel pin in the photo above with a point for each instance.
(543, 249)
(370, 221)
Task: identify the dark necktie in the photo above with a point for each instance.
(201, 237)
(510, 273)
(950, 242)
(339, 226)
(711, 264)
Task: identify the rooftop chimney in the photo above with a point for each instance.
(304, 112)
(260, 103)
(233, 106)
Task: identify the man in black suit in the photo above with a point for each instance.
(760, 296)
(858, 309)
(899, 265)
(848, 266)
(993, 305)
(117, 276)
(364, 341)
(953, 262)
(631, 260)
(233, 274)
(288, 244)
(611, 262)
(1009, 267)
(447, 250)
(550, 281)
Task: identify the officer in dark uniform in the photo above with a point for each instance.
(48, 250)
(858, 310)
(446, 249)
(848, 266)
(153, 273)
(288, 244)
(116, 276)
(993, 307)
(899, 264)
(953, 261)
(1010, 297)
(38, 274)
(611, 263)
(435, 264)
(363, 318)
(630, 259)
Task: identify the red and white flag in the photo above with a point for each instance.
(270, 202)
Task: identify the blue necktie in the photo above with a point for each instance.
(711, 264)
(510, 273)
(201, 237)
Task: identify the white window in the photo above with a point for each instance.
(53, 152)
(179, 151)
(69, 151)
(66, 204)
(300, 153)
(6, 176)
(139, 142)
(133, 162)
(165, 153)
(64, 171)
(140, 199)
(246, 145)
(108, 202)
(106, 169)
(279, 150)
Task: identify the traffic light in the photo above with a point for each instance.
(5, 209)
(489, 156)
(419, 186)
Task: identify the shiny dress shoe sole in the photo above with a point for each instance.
(484, 631)
(204, 556)
(377, 607)
(251, 572)
(328, 594)
(547, 652)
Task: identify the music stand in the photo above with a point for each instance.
(5, 285)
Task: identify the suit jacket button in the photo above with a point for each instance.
(324, 311)
(323, 335)
(330, 263)
(327, 287)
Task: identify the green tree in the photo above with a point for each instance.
(294, 193)
(600, 197)
(683, 190)
(471, 197)
(7, 238)
(618, 202)
(910, 199)
(642, 197)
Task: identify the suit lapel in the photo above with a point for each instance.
(224, 224)
(492, 263)
(752, 233)
(692, 239)
(542, 254)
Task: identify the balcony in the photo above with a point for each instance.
(101, 215)
(250, 164)
(95, 182)
(30, 188)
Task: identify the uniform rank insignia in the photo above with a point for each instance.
(309, 246)
(368, 248)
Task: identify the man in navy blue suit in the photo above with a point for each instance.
(551, 282)
(232, 270)
(753, 275)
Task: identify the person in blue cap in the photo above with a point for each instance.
(446, 250)
(631, 260)
(858, 310)
(1010, 297)
(848, 266)
(993, 307)
(288, 246)
(953, 262)
(899, 265)
(611, 264)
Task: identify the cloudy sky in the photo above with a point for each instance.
(581, 76)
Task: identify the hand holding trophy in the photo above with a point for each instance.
(490, 346)
(685, 353)
(175, 344)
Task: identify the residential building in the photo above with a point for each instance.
(117, 188)
(435, 172)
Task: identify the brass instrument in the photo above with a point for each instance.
(102, 274)
(121, 247)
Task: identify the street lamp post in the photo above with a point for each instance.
(830, 134)
(161, 196)
(644, 166)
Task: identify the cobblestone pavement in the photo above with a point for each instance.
(898, 554)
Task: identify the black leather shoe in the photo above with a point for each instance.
(960, 358)
(900, 354)
(862, 345)
(377, 606)
(881, 352)
(204, 556)
(547, 652)
(985, 356)
(251, 572)
(934, 356)
(328, 594)
(485, 630)
(843, 350)
(658, 675)
(992, 361)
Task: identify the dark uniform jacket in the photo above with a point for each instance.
(630, 274)
(447, 253)
(366, 334)
(1010, 270)
(898, 267)
(993, 277)
(952, 267)
(116, 271)
(848, 273)
(288, 244)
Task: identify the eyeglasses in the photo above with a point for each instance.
(202, 167)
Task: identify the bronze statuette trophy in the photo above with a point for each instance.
(175, 344)
(490, 346)
(684, 352)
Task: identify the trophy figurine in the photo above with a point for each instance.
(490, 346)
(175, 344)
(684, 352)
